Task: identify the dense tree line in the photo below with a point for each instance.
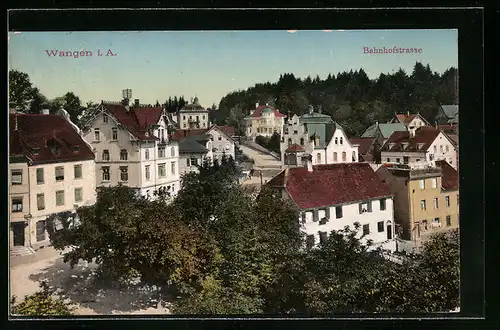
(270, 143)
(224, 249)
(351, 98)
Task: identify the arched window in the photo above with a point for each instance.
(354, 156)
(344, 156)
(318, 158)
(123, 154)
(301, 141)
(341, 140)
(335, 157)
(336, 140)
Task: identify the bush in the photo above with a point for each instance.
(42, 303)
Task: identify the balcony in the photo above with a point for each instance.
(192, 120)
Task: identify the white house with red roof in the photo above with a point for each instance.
(411, 121)
(132, 147)
(425, 145)
(332, 196)
(51, 170)
(264, 120)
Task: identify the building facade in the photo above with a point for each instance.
(332, 196)
(411, 121)
(264, 120)
(193, 116)
(426, 198)
(132, 148)
(52, 170)
(222, 141)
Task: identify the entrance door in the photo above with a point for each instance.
(389, 231)
(18, 230)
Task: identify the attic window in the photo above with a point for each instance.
(391, 145)
(405, 145)
(420, 145)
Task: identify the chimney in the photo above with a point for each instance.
(45, 111)
(256, 105)
(136, 103)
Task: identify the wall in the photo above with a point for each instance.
(414, 157)
(350, 216)
(183, 118)
(265, 125)
(184, 168)
(225, 145)
(19, 191)
(435, 150)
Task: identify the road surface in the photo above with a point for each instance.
(262, 161)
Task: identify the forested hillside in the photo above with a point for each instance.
(354, 100)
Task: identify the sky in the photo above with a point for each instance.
(211, 64)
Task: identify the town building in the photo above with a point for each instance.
(332, 196)
(426, 198)
(411, 121)
(223, 142)
(447, 114)
(51, 170)
(368, 149)
(426, 144)
(317, 135)
(132, 148)
(381, 132)
(193, 116)
(195, 146)
(264, 120)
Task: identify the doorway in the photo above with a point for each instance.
(18, 231)
(389, 231)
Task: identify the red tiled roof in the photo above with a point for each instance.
(449, 179)
(229, 130)
(449, 129)
(364, 144)
(136, 120)
(258, 111)
(295, 147)
(405, 119)
(42, 132)
(424, 135)
(331, 184)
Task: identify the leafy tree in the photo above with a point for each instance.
(41, 303)
(38, 103)
(72, 104)
(21, 91)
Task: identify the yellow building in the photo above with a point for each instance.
(426, 198)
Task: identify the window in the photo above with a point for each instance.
(441, 149)
(146, 154)
(97, 135)
(322, 237)
(105, 155)
(184, 125)
(172, 152)
(334, 157)
(184, 118)
(366, 229)
(289, 141)
(354, 156)
(422, 184)
(192, 161)
(447, 201)
(382, 204)
(398, 160)
(434, 182)
(310, 241)
(78, 171)
(406, 160)
(388, 160)
(389, 231)
(436, 222)
(338, 212)
(436, 204)
(369, 205)
(424, 223)
(448, 221)
(344, 156)
(161, 152)
(363, 207)
(17, 204)
(40, 201)
(423, 207)
(336, 140)
(318, 158)
(105, 117)
(59, 197)
(40, 231)
(203, 117)
(59, 173)
(447, 148)
(16, 176)
(431, 157)
(303, 217)
(105, 173)
(435, 149)
(123, 173)
(78, 194)
(147, 172)
(341, 140)
(123, 154)
(114, 133)
(161, 134)
(295, 132)
(301, 141)
(172, 168)
(161, 170)
(380, 226)
(39, 176)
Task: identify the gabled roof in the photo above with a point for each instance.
(260, 109)
(385, 129)
(405, 119)
(364, 144)
(136, 120)
(424, 136)
(315, 117)
(449, 178)
(37, 136)
(450, 110)
(295, 148)
(229, 130)
(331, 184)
(192, 144)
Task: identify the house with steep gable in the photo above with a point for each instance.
(132, 148)
(411, 121)
(331, 196)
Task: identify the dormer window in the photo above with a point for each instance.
(420, 145)
(391, 145)
(405, 145)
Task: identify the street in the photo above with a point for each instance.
(262, 161)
